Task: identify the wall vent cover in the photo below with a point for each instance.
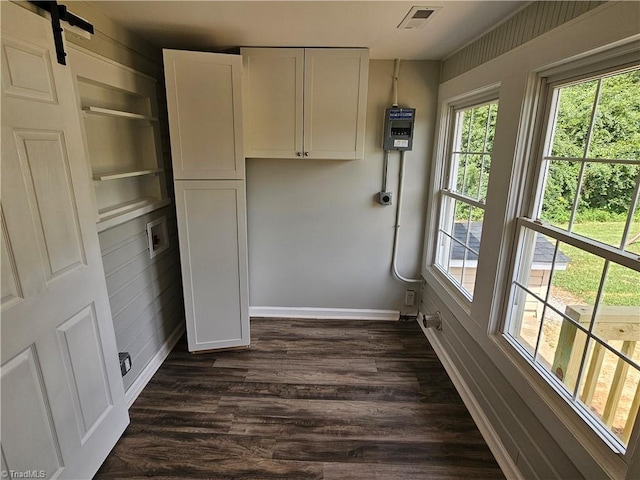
(417, 17)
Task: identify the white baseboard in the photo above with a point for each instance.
(506, 463)
(152, 367)
(324, 313)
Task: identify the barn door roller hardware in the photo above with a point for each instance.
(60, 13)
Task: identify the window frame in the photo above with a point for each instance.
(444, 162)
(531, 190)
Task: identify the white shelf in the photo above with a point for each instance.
(122, 131)
(117, 113)
(123, 212)
(103, 177)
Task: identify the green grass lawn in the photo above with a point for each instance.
(581, 279)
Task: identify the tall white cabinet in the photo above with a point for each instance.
(205, 123)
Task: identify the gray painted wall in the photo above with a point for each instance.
(145, 294)
(317, 237)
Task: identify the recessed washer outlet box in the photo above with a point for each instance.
(125, 362)
(157, 236)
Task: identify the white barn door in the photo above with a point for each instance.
(63, 405)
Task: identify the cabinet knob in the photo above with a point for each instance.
(306, 154)
(298, 154)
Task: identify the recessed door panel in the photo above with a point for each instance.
(29, 442)
(273, 102)
(45, 171)
(86, 374)
(26, 71)
(212, 231)
(10, 287)
(206, 116)
(334, 117)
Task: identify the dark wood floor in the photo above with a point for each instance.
(309, 400)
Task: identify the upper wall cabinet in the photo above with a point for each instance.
(204, 98)
(305, 102)
(120, 117)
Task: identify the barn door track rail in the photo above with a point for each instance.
(60, 13)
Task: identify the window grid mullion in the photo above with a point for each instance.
(486, 129)
(590, 335)
(535, 350)
(564, 316)
(613, 351)
(551, 117)
(623, 161)
(546, 297)
(458, 242)
(576, 198)
(456, 149)
(632, 211)
(471, 153)
(480, 177)
(450, 254)
(484, 149)
(463, 198)
(468, 148)
(592, 120)
(471, 119)
(466, 244)
(607, 252)
(587, 146)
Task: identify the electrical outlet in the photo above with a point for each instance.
(410, 298)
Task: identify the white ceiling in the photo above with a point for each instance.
(220, 25)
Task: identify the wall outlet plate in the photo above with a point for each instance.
(410, 298)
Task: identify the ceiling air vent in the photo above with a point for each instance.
(417, 17)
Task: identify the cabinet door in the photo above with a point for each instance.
(204, 99)
(213, 253)
(272, 83)
(335, 95)
(63, 404)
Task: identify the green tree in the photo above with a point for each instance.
(475, 129)
(607, 188)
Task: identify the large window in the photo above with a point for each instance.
(574, 304)
(463, 193)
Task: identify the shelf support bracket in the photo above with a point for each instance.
(60, 13)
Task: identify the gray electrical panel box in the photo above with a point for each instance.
(398, 128)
